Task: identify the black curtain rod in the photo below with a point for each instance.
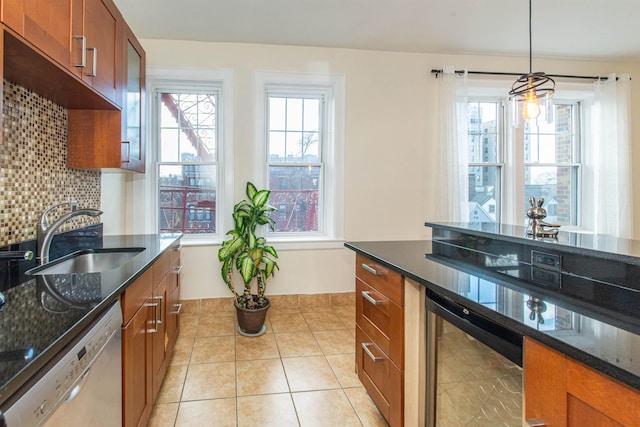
(499, 73)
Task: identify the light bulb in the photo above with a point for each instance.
(531, 108)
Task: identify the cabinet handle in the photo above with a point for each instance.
(365, 346)
(177, 248)
(93, 72)
(83, 61)
(125, 155)
(177, 270)
(155, 317)
(177, 312)
(161, 308)
(371, 269)
(369, 298)
(535, 422)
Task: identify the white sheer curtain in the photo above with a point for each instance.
(609, 157)
(452, 167)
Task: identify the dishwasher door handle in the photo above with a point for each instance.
(78, 387)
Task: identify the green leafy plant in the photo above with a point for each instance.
(248, 253)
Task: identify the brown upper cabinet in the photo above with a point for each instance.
(81, 55)
(79, 35)
(44, 24)
(95, 36)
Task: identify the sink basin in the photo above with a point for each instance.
(88, 261)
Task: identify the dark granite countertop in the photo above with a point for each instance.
(41, 316)
(577, 327)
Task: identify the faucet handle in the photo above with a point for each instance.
(44, 219)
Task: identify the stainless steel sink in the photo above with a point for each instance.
(88, 261)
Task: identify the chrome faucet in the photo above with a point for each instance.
(46, 231)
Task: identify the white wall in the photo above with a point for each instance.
(391, 133)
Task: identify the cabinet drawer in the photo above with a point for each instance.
(384, 280)
(162, 266)
(382, 320)
(136, 295)
(382, 379)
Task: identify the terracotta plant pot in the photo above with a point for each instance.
(251, 321)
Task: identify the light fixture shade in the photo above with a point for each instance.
(532, 100)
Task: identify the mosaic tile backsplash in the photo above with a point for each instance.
(33, 166)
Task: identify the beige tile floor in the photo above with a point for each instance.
(300, 373)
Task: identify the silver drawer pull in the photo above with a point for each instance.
(93, 72)
(535, 422)
(177, 248)
(177, 312)
(177, 270)
(83, 60)
(371, 269)
(365, 346)
(369, 298)
(155, 306)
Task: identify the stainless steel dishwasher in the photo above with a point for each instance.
(84, 386)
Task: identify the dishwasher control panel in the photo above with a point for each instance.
(65, 379)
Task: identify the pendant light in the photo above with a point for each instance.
(529, 90)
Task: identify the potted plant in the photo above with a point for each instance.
(250, 255)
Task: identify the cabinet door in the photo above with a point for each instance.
(560, 392)
(161, 348)
(133, 90)
(136, 366)
(101, 29)
(47, 25)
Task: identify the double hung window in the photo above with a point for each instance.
(549, 162)
(302, 117)
(295, 164)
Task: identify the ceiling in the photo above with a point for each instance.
(589, 29)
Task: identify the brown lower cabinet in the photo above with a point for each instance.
(151, 326)
(560, 391)
(380, 331)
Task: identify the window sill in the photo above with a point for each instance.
(279, 244)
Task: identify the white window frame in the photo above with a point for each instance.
(332, 86)
(187, 80)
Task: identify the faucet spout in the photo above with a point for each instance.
(46, 232)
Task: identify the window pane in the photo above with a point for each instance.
(294, 114)
(484, 189)
(558, 186)
(277, 113)
(552, 142)
(483, 131)
(188, 127)
(294, 146)
(276, 146)
(169, 145)
(294, 192)
(311, 115)
(187, 198)
(310, 148)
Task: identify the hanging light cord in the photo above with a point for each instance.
(530, 42)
